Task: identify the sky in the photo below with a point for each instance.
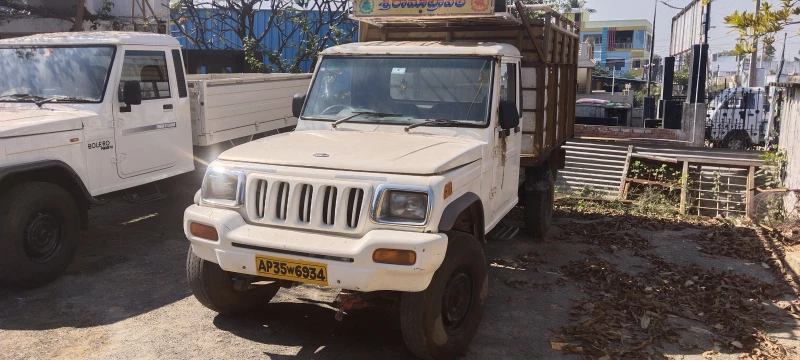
(720, 38)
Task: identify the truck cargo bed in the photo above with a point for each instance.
(230, 106)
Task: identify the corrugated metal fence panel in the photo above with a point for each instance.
(592, 166)
(229, 40)
(599, 165)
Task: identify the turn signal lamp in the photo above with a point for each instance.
(203, 231)
(394, 257)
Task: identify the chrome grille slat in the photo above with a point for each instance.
(282, 205)
(329, 205)
(355, 200)
(306, 193)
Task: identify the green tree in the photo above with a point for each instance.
(761, 25)
(599, 71)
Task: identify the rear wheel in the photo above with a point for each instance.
(539, 200)
(213, 287)
(39, 233)
(440, 322)
(737, 139)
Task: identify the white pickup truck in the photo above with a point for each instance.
(405, 156)
(84, 115)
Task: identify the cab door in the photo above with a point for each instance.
(146, 135)
(507, 146)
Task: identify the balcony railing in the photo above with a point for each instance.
(623, 45)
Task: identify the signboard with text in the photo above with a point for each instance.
(380, 8)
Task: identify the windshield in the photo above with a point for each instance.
(401, 90)
(77, 72)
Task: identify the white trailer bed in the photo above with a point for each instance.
(230, 106)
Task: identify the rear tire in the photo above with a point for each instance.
(737, 139)
(440, 322)
(539, 200)
(213, 287)
(39, 233)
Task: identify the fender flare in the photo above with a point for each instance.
(11, 170)
(468, 200)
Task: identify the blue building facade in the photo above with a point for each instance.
(229, 40)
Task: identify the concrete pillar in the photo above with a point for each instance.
(693, 124)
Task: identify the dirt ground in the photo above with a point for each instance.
(126, 296)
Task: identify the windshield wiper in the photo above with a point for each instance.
(58, 98)
(437, 122)
(22, 97)
(41, 100)
(373, 113)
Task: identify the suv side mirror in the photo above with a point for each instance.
(132, 93)
(509, 117)
(297, 104)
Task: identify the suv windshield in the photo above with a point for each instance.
(402, 90)
(70, 74)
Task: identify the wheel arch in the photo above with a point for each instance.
(465, 214)
(50, 171)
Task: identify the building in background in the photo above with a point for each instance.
(27, 17)
(621, 45)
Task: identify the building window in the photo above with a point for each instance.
(598, 40)
(615, 64)
(636, 64)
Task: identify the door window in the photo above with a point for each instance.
(508, 83)
(149, 68)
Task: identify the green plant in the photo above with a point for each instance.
(773, 170)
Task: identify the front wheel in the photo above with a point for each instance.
(39, 233)
(213, 287)
(440, 322)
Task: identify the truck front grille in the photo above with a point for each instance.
(324, 205)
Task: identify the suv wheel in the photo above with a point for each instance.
(213, 287)
(39, 233)
(440, 322)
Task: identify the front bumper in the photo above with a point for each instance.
(235, 251)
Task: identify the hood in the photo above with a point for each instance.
(21, 122)
(398, 153)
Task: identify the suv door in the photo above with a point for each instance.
(147, 134)
(507, 148)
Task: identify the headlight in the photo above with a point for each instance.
(402, 206)
(223, 187)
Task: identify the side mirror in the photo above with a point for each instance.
(132, 93)
(509, 117)
(297, 104)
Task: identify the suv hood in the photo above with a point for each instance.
(21, 122)
(399, 153)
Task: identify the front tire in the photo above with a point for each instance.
(39, 233)
(213, 287)
(440, 322)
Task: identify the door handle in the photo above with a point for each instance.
(167, 106)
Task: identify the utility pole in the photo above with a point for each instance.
(754, 55)
(79, 15)
(652, 47)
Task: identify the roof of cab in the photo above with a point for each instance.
(424, 48)
(93, 38)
